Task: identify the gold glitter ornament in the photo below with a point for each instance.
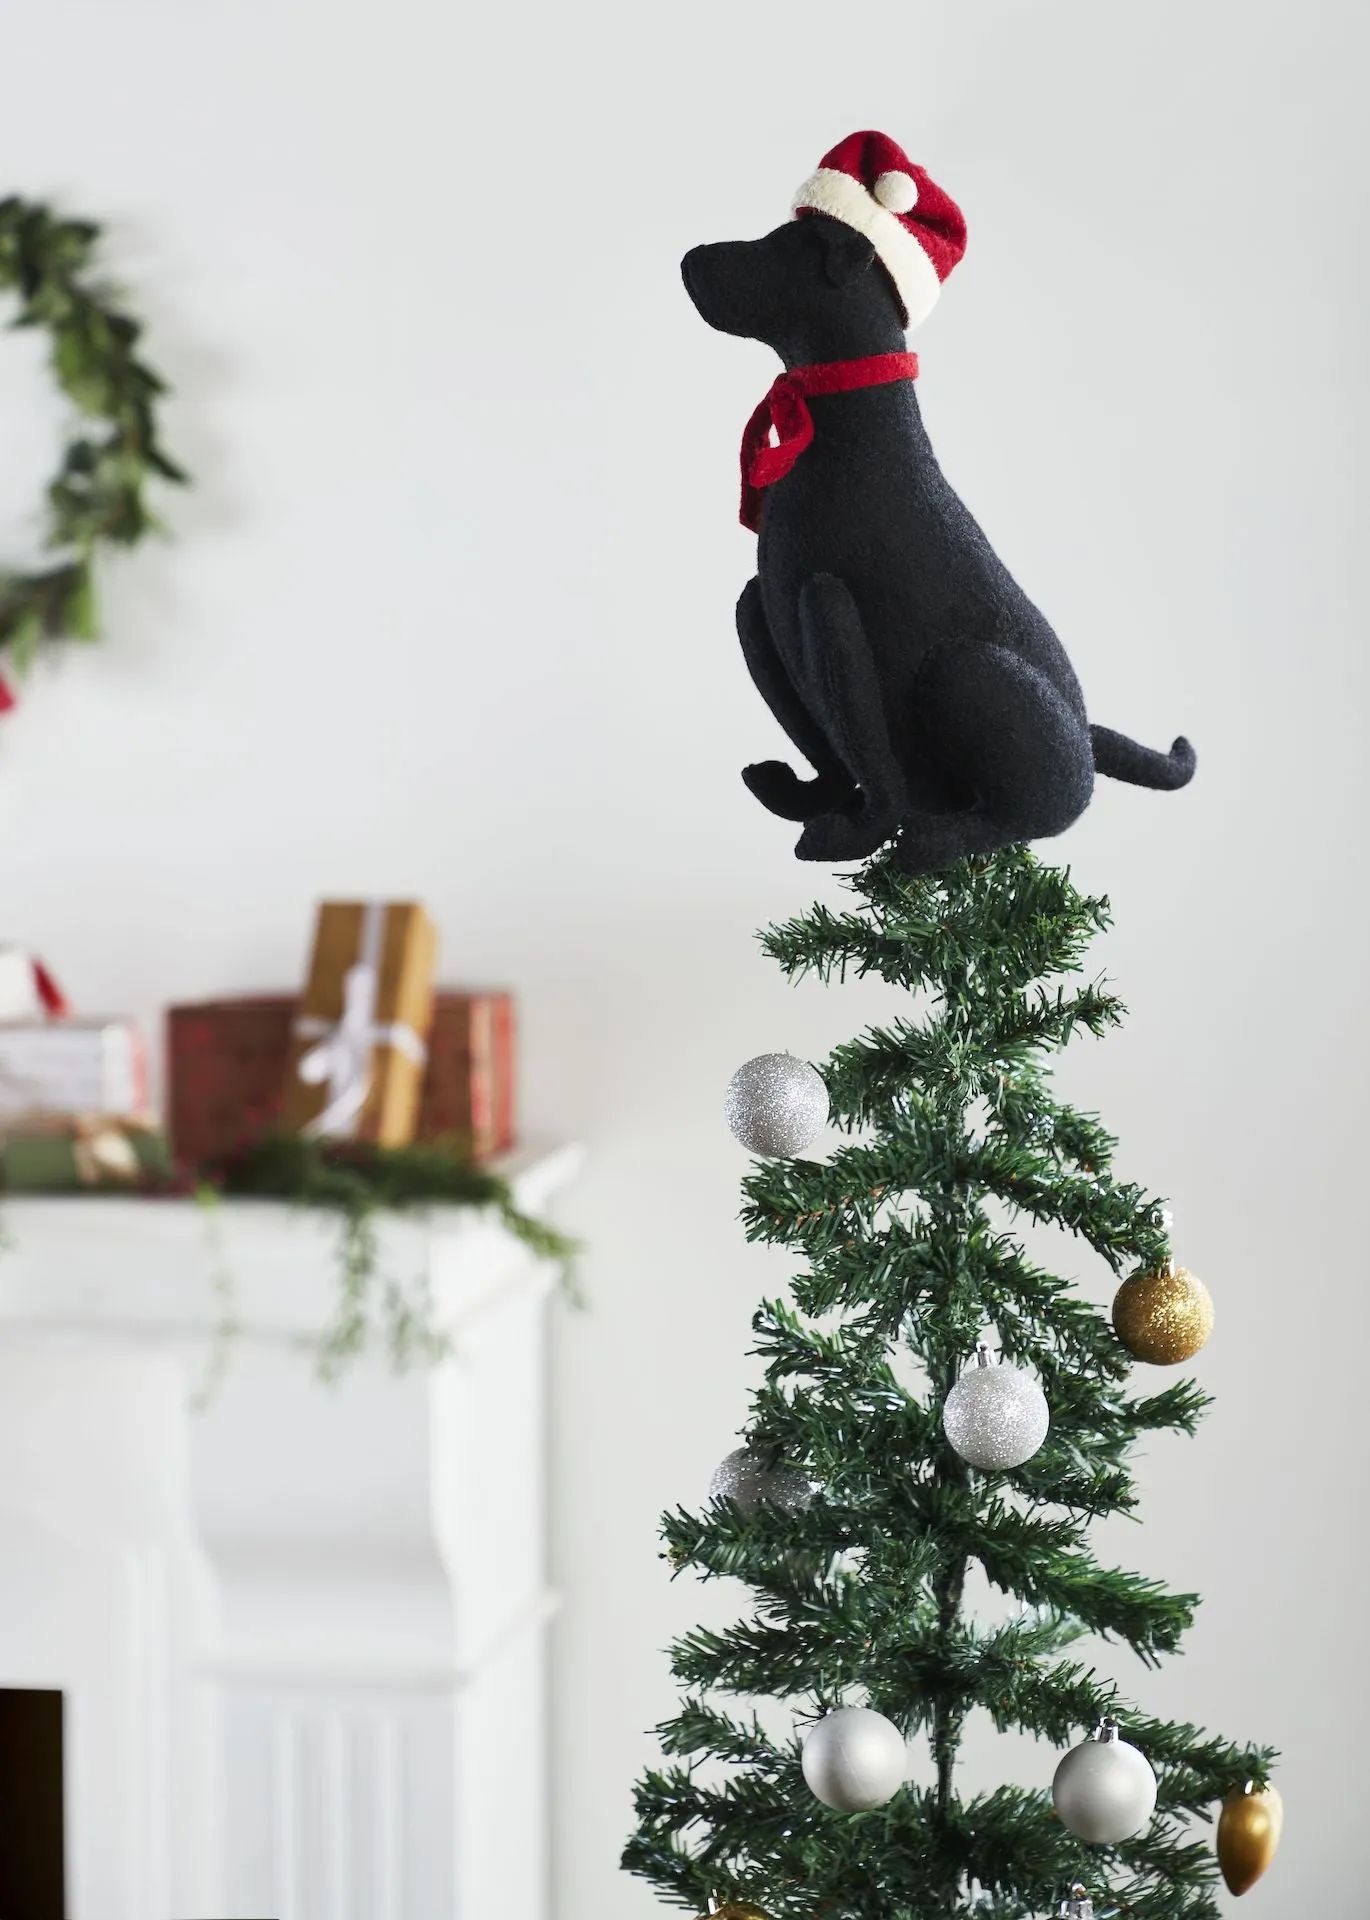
(1248, 1834)
(736, 1910)
(1163, 1317)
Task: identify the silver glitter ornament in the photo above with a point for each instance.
(996, 1416)
(855, 1759)
(776, 1105)
(1104, 1789)
(1077, 1907)
(746, 1478)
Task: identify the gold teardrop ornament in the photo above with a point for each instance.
(735, 1910)
(1248, 1834)
(1163, 1317)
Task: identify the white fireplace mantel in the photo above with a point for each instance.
(298, 1633)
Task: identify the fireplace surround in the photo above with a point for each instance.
(295, 1640)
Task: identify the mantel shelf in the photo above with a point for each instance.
(131, 1267)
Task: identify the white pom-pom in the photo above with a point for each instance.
(897, 191)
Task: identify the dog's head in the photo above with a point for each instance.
(813, 289)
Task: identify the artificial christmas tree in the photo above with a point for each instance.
(909, 1258)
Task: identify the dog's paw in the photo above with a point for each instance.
(782, 792)
(842, 836)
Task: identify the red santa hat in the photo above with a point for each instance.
(918, 231)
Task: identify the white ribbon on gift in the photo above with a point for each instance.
(103, 1153)
(340, 1060)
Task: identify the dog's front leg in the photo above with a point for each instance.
(841, 686)
(774, 784)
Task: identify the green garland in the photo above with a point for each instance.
(98, 496)
(356, 1182)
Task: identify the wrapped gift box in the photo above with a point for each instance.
(361, 1033)
(77, 1152)
(72, 1066)
(226, 1064)
(225, 1074)
(468, 1092)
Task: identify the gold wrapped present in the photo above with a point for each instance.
(361, 1030)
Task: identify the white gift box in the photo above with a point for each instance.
(72, 1066)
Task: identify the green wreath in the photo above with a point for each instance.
(98, 497)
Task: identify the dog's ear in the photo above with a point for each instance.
(847, 254)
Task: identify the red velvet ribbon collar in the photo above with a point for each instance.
(785, 409)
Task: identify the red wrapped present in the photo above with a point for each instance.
(468, 1090)
(226, 1062)
(225, 1067)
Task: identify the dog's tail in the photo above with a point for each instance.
(1122, 759)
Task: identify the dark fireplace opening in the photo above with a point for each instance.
(32, 1851)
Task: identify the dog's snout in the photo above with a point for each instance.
(688, 272)
(720, 278)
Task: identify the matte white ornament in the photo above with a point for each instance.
(776, 1105)
(855, 1759)
(1104, 1789)
(746, 1478)
(897, 191)
(996, 1416)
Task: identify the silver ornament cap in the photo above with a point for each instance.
(1078, 1906)
(996, 1416)
(747, 1478)
(1104, 1789)
(776, 1105)
(855, 1759)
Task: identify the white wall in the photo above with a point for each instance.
(450, 613)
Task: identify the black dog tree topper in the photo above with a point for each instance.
(931, 697)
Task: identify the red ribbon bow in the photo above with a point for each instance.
(54, 1002)
(786, 409)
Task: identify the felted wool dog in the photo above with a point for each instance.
(931, 697)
